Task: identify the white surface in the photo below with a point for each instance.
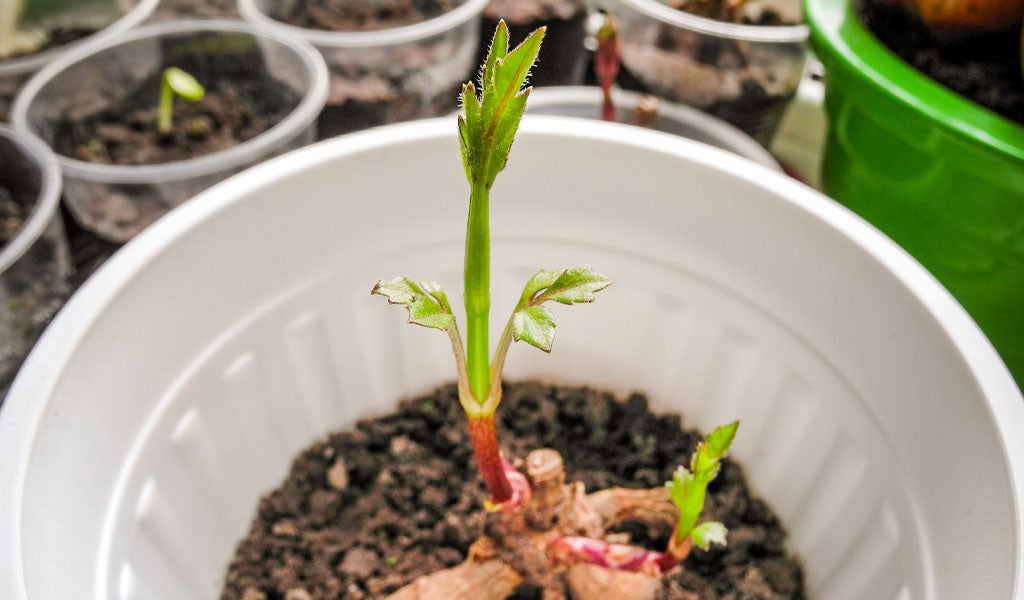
(175, 387)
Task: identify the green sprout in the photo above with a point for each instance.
(688, 489)
(175, 82)
(487, 128)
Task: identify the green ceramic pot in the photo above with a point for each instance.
(940, 175)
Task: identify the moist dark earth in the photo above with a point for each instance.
(364, 512)
(984, 68)
(363, 15)
(12, 215)
(230, 112)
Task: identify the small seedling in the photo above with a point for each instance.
(175, 82)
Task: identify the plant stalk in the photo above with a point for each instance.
(477, 279)
(163, 113)
(488, 458)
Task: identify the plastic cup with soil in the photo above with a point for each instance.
(34, 264)
(744, 70)
(97, 109)
(56, 32)
(390, 60)
(563, 57)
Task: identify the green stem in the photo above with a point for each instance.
(477, 281)
(163, 113)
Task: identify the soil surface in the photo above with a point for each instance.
(364, 512)
(986, 71)
(230, 112)
(12, 216)
(363, 15)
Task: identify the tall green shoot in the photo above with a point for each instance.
(487, 128)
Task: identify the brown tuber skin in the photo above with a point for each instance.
(515, 545)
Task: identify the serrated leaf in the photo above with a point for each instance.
(710, 532)
(183, 84)
(510, 73)
(540, 281)
(534, 325)
(427, 303)
(577, 285)
(720, 439)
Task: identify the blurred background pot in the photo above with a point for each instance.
(34, 265)
(585, 102)
(63, 26)
(938, 173)
(389, 74)
(251, 68)
(744, 74)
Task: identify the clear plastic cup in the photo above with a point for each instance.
(743, 74)
(118, 201)
(387, 75)
(118, 16)
(35, 266)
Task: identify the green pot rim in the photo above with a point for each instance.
(836, 32)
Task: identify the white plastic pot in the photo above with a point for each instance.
(585, 102)
(176, 386)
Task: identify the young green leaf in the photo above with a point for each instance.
(533, 323)
(486, 134)
(688, 487)
(427, 303)
(183, 84)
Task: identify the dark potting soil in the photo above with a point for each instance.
(987, 71)
(562, 53)
(12, 216)
(365, 512)
(36, 284)
(229, 113)
(363, 15)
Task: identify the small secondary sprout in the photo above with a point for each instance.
(175, 82)
(687, 491)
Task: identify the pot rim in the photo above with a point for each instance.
(785, 34)
(47, 200)
(841, 39)
(365, 39)
(299, 118)
(23, 65)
